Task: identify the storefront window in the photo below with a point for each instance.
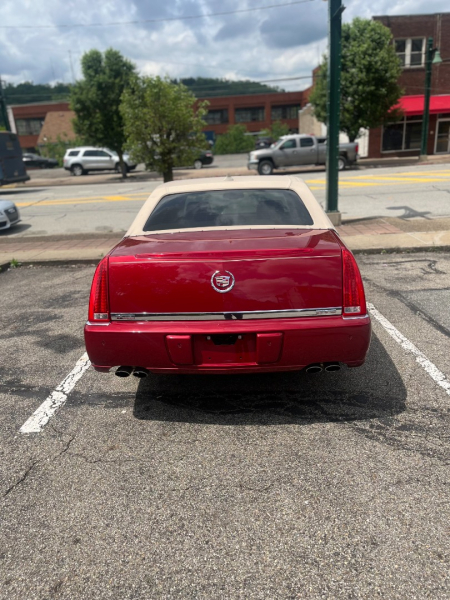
(404, 135)
(413, 135)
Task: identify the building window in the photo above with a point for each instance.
(411, 52)
(246, 115)
(289, 111)
(404, 135)
(215, 117)
(29, 126)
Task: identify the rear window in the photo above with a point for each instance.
(74, 153)
(222, 208)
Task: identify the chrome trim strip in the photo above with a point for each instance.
(229, 315)
(97, 323)
(358, 317)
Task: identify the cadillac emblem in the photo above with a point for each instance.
(222, 281)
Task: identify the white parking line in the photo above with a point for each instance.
(56, 399)
(420, 357)
(59, 395)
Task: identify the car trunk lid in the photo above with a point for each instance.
(226, 272)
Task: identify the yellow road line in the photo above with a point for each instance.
(62, 202)
(408, 179)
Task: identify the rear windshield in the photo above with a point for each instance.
(74, 153)
(221, 208)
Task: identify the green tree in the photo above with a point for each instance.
(370, 71)
(96, 100)
(204, 87)
(234, 141)
(163, 124)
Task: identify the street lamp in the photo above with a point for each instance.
(432, 58)
(335, 9)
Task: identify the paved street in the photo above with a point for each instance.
(279, 486)
(406, 192)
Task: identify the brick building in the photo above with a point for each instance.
(33, 122)
(255, 111)
(28, 119)
(410, 34)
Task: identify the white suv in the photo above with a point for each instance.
(79, 161)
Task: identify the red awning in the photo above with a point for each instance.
(413, 105)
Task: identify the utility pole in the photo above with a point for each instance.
(71, 66)
(4, 112)
(432, 57)
(335, 10)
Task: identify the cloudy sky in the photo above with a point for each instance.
(44, 41)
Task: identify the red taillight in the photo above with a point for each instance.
(354, 300)
(357, 148)
(99, 300)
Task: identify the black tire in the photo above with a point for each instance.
(198, 164)
(77, 170)
(265, 167)
(342, 163)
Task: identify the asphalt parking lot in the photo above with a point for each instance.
(282, 486)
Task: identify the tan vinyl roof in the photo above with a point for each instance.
(320, 219)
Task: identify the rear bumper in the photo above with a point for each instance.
(264, 345)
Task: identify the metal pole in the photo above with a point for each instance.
(426, 106)
(334, 85)
(3, 108)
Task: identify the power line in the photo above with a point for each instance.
(166, 20)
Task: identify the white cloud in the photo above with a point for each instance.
(279, 42)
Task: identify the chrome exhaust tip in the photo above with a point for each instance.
(140, 372)
(330, 367)
(314, 369)
(123, 371)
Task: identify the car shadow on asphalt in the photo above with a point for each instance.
(15, 229)
(375, 390)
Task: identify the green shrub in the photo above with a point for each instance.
(277, 130)
(234, 141)
(58, 149)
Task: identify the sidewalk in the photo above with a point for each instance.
(361, 235)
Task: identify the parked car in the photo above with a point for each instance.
(40, 162)
(9, 214)
(230, 275)
(79, 161)
(299, 151)
(206, 158)
(12, 167)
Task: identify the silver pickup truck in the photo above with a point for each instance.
(299, 151)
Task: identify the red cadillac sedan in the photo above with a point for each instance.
(228, 275)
